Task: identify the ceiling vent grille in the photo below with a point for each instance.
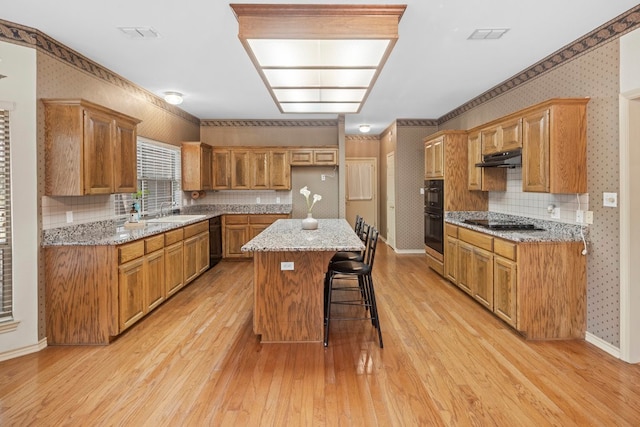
(139, 32)
(488, 34)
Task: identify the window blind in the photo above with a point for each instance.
(6, 288)
(159, 175)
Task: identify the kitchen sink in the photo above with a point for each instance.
(181, 219)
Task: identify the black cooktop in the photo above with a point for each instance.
(500, 225)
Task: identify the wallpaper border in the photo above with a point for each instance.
(267, 123)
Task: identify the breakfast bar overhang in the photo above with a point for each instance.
(289, 266)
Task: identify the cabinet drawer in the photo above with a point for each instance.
(173, 236)
(451, 230)
(325, 157)
(301, 157)
(480, 240)
(130, 251)
(504, 249)
(236, 219)
(152, 244)
(192, 230)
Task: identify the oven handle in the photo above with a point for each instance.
(435, 216)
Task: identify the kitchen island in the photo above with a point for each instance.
(289, 265)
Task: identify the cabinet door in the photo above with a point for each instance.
(234, 237)
(475, 156)
(490, 141)
(206, 167)
(125, 176)
(174, 268)
(465, 266)
(240, 171)
(451, 259)
(132, 293)
(190, 259)
(279, 170)
(98, 153)
(221, 169)
(535, 152)
(155, 283)
(511, 135)
(202, 263)
(260, 170)
(504, 289)
(482, 282)
(438, 158)
(428, 160)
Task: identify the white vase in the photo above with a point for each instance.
(309, 223)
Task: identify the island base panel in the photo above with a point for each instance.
(288, 304)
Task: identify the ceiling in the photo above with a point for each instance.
(433, 68)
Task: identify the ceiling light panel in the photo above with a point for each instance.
(318, 58)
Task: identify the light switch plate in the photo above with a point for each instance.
(610, 200)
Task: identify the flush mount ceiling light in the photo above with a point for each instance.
(488, 34)
(318, 58)
(173, 98)
(365, 128)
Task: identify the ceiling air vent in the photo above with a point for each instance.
(488, 34)
(140, 32)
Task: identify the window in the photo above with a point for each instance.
(6, 300)
(159, 179)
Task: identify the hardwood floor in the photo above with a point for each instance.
(446, 361)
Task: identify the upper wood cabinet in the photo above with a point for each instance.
(197, 166)
(483, 179)
(89, 149)
(240, 169)
(221, 169)
(554, 147)
(314, 156)
(280, 170)
(434, 158)
(504, 136)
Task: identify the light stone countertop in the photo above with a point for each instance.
(287, 235)
(112, 232)
(552, 231)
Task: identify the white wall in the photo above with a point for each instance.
(18, 90)
(630, 61)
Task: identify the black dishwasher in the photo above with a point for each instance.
(215, 241)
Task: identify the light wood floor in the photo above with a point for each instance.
(446, 361)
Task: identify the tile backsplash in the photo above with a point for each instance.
(516, 202)
(83, 209)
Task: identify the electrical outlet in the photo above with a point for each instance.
(69, 216)
(610, 199)
(555, 213)
(588, 217)
(277, 199)
(579, 216)
(257, 199)
(286, 266)
(323, 177)
(422, 190)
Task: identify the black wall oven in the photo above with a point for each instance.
(434, 214)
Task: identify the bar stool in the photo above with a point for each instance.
(362, 230)
(362, 270)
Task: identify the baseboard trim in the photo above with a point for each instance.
(410, 251)
(602, 345)
(12, 354)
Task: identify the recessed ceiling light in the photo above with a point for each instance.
(173, 98)
(140, 32)
(488, 34)
(310, 61)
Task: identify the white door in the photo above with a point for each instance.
(362, 190)
(391, 200)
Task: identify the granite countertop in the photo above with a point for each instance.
(287, 235)
(551, 231)
(113, 232)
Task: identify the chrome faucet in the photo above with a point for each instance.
(162, 206)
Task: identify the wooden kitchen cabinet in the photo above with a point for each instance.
(504, 136)
(238, 229)
(554, 147)
(260, 170)
(240, 169)
(483, 179)
(196, 250)
(280, 170)
(197, 166)
(89, 149)
(94, 293)
(314, 156)
(538, 288)
(221, 169)
(434, 158)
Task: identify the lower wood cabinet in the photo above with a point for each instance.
(538, 288)
(94, 293)
(238, 229)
